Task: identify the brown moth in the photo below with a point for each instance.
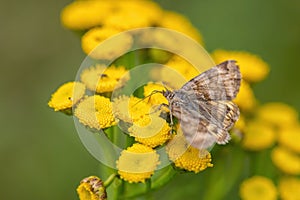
(204, 105)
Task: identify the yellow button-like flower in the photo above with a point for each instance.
(252, 67)
(131, 14)
(101, 78)
(91, 188)
(286, 161)
(137, 163)
(171, 77)
(82, 15)
(258, 187)
(289, 188)
(152, 132)
(183, 67)
(155, 98)
(278, 114)
(95, 45)
(245, 98)
(177, 22)
(187, 157)
(177, 71)
(240, 124)
(66, 96)
(131, 109)
(290, 137)
(95, 112)
(238, 129)
(258, 136)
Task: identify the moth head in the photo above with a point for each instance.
(168, 94)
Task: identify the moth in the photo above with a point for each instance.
(204, 105)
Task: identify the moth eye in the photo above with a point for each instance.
(176, 104)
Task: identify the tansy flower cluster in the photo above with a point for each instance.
(143, 122)
(98, 20)
(97, 110)
(265, 136)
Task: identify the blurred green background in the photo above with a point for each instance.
(41, 156)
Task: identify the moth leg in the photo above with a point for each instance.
(203, 153)
(171, 116)
(171, 120)
(158, 107)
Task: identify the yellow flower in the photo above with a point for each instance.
(258, 136)
(66, 96)
(177, 22)
(94, 43)
(245, 98)
(286, 161)
(131, 14)
(137, 163)
(240, 124)
(152, 132)
(278, 114)
(155, 98)
(171, 77)
(91, 188)
(252, 67)
(131, 109)
(176, 72)
(187, 157)
(183, 67)
(238, 129)
(258, 187)
(123, 15)
(81, 15)
(101, 78)
(289, 188)
(95, 112)
(290, 137)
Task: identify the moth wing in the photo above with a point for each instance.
(221, 113)
(195, 130)
(221, 116)
(221, 82)
(209, 123)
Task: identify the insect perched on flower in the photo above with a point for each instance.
(204, 105)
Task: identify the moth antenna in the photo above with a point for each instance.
(152, 93)
(167, 90)
(158, 108)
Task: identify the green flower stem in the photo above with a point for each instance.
(117, 189)
(226, 172)
(133, 190)
(162, 177)
(110, 133)
(141, 190)
(116, 135)
(129, 60)
(263, 164)
(109, 180)
(148, 185)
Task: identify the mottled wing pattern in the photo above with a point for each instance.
(206, 122)
(204, 107)
(221, 82)
(222, 113)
